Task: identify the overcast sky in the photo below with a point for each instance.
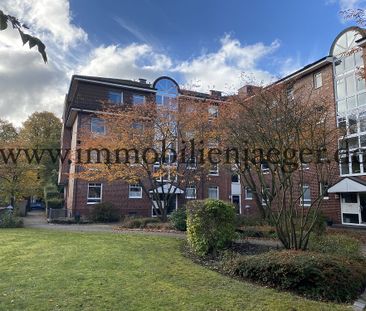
(202, 44)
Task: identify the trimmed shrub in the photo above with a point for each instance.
(55, 203)
(179, 219)
(105, 212)
(9, 220)
(210, 226)
(336, 244)
(313, 275)
(139, 222)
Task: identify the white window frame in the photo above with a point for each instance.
(101, 193)
(91, 126)
(192, 165)
(304, 203)
(130, 196)
(321, 191)
(247, 197)
(215, 172)
(120, 93)
(194, 191)
(217, 192)
(318, 80)
(265, 170)
(235, 182)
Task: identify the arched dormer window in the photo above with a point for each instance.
(167, 90)
(349, 86)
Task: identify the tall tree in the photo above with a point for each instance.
(279, 135)
(18, 178)
(42, 130)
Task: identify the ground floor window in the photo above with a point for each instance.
(94, 193)
(305, 195)
(324, 190)
(248, 193)
(191, 192)
(350, 218)
(213, 193)
(135, 191)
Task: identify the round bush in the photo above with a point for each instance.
(314, 275)
(210, 225)
(179, 219)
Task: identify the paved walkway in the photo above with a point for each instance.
(37, 219)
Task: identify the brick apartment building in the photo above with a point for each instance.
(334, 77)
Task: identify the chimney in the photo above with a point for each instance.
(215, 94)
(248, 90)
(142, 81)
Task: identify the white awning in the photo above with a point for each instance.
(168, 188)
(347, 185)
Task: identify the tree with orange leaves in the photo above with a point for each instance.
(151, 145)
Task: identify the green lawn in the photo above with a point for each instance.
(54, 270)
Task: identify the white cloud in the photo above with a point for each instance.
(350, 4)
(53, 19)
(222, 69)
(28, 85)
(226, 68)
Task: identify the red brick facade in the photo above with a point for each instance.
(83, 100)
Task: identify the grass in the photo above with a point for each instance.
(55, 270)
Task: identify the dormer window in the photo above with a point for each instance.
(138, 99)
(115, 97)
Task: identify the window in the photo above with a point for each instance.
(191, 192)
(248, 193)
(324, 190)
(213, 111)
(94, 193)
(135, 191)
(192, 163)
(349, 197)
(213, 193)
(97, 126)
(138, 126)
(318, 82)
(235, 178)
(214, 170)
(290, 93)
(305, 195)
(115, 97)
(138, 99)
(351, 219)
(265, 167)
(167, 91)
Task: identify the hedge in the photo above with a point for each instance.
(314, 275)
(105, 212)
